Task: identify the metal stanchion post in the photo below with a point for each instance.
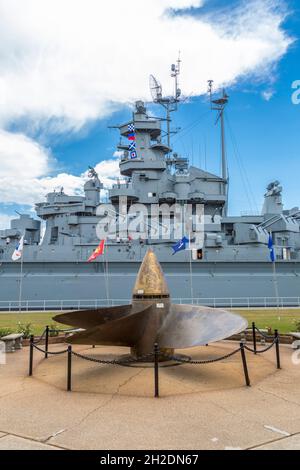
(46, 342)
(31, 355)
(247, 380)
(156, 358)
(254, 337)
(69, 370)
(277, 349)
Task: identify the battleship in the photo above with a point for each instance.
(231, 267)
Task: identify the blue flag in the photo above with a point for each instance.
(180, 246)
(271, 248)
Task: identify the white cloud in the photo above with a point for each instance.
(25, 167)
(73, 61)
(65, 62)
(21, 157)
(267, 95)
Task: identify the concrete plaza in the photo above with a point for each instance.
(112, 407)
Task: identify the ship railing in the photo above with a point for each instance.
(216, 302)
(243, 302)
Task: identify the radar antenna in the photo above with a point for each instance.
(175, 72)
(210, 89)
(156, 89)
(92, 173)
(170, 103)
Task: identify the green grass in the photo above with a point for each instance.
(38, 320)
(285, 320)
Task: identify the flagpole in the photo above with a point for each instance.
(275, 281)
(106, 272)
(21, 280)
(191, 268)
(273, 259)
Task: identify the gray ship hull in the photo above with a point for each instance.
(224, 283)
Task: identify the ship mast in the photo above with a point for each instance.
(219, 105)
(170, 103)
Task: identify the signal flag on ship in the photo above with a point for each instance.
(180, 246)
(131, 138)
(17, 254)
(271, 248)
(98, 252)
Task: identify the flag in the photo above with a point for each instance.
(98, 252)
(271, 248)
(132, 146)
(131, 136)
(180, 246)
(133, 155)
(17, 254)
(131, 127)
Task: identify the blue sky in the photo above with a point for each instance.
(261, 120)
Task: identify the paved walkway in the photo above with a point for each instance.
(111, 407)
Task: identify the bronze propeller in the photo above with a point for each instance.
(151, 317)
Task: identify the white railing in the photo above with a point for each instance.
(232, 302)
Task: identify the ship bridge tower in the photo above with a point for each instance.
(144, 158)
(149, 151)
(146, 154)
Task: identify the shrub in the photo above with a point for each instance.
(26, 329)
(54, 330)
(5, 331)
(298, 325)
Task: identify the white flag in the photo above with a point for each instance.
(17, 254)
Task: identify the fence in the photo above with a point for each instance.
(154, 356)
(242, 302)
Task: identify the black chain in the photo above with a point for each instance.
(40, 338)
(129, 360)
(207, 361)
(52, 353)
(261, 350)
(263, 334)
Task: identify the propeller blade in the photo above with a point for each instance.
(125, 331)
(90, 318)
(186, 326)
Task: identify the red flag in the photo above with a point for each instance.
(98, 252)
(131, 136)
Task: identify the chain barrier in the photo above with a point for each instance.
(261, 350)
(129, 360)
(155, 357)
(52, 330)
(206, 361)
(264, 335)
(41, 337)
(53, 353)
